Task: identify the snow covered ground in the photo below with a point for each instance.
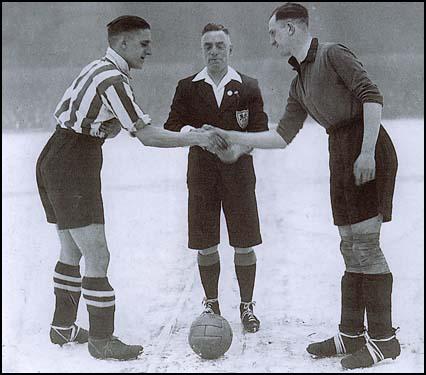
(155, 276)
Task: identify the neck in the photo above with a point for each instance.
(218, 75)
(301, 53)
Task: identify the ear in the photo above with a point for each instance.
(123, 43)
(291, 29)
(230, 49)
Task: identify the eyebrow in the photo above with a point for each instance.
(211, 43)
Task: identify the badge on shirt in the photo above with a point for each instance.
(242, 118)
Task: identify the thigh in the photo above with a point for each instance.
(242, 219)
(204, 206)
(350, 203)
(345, 231)
(71, 176)
(70, 252)
(368, 226)
(91, 239)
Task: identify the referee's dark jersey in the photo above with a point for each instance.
(99, 93)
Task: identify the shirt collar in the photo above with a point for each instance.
(310, 57)
(229, 76)
(118, 61)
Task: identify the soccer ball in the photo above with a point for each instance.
(210, 336)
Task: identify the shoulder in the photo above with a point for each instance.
(187, 81)
(108, 71)
(334, 50)
(250, 82)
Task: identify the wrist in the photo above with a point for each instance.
(194, 138)
(367, 152)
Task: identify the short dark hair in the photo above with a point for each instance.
(214, 27)
(291, 11)
(126, 23)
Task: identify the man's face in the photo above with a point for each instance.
(216, 48)
(135, 46)
(279, 36)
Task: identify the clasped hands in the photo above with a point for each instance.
(216, 141)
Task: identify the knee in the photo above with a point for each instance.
(98, 258)
(244, 256)
(366, 248)
(208, 257)
(347, 251)
(70, 255)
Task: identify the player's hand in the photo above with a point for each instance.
(211, 141)
(231, 154)
(110, 128)
(364, 168)
(222, 133)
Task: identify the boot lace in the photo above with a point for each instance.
(208, 305)
(248, 311)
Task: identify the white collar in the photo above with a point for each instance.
(117, 60)
(229, 76)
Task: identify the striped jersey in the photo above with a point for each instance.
(100, 93)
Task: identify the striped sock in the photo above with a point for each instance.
(67, 287)
(100, 300)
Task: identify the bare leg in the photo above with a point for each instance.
(70, 253)
(92, 242)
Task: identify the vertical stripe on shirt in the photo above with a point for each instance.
(75, 105)
(99, 93)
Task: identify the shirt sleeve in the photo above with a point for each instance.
(353, 74)
(293, 118)
(178, 117)
(119, 98)
(258, 119)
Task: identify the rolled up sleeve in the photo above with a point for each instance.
(353, 74)
(293, 118)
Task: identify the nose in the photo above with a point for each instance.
(272, 41)
(148, 51)
(213, 51)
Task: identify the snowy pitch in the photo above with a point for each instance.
(158, 291)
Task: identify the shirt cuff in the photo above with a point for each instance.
(146, 119)
(186, 129)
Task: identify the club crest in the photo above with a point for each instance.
(242, 118)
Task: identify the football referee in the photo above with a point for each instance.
(96, 106)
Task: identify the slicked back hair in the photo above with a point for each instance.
(293, 11)
(125, 23)
(214, 27)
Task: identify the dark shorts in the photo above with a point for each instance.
(212, 185)
(350, 203)
(68, 179)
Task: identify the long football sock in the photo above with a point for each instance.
(100, 300)
(67, 288)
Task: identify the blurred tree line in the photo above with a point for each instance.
(46, 44)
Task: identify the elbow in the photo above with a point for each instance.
(147, 139)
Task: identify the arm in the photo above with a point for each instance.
(267, 139)
(153, 136)
(120, 99)
(365, 164)
(288, 127)
(352, 73)
(356, 79)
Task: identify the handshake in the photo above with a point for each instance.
(216, 141)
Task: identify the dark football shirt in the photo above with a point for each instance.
(331, 86)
